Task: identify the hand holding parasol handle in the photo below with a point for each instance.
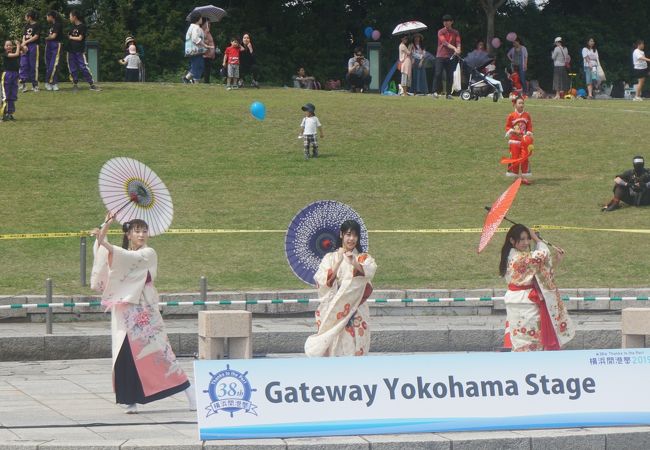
(558, 249)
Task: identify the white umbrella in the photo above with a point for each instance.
(409, 27)
(131, 190)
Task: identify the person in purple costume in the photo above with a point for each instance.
(77, 62)
(29, 59)
(9, 84)
(53, 50)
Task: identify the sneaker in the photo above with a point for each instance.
(527, 174)
(400, 90)
(229, 88)
(23, 87)
(435, 95)
(637, 99)
(450, 97)
(11, 117)
(94, 87)
(131, 409)
(612, 206)
(306, 156)
(35, 89)
(55, 87)
(511, 174)
(48, 87)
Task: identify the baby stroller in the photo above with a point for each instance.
(479, 84)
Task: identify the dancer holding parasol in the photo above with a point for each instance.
(144, 365)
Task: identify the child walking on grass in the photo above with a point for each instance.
(519, 129)
(309, 128)
(9, 85)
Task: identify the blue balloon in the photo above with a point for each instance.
(368, 32)
(258, 110)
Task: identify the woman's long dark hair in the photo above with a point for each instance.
(128, 226)
(514, 233)
(350, 225)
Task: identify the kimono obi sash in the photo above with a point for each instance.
(549, 338)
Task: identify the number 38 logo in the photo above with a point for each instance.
(230, 391)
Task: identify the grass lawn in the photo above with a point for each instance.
(402, 163)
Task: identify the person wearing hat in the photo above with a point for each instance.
(561, 61)
(448, 46)
(129, 41)
(132, 62)
(631, 187)
(308, 130)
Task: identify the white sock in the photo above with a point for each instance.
(191, 398)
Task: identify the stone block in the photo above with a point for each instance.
(97, 444)
(11, 300)
(211, 348)
(384, 341)
(99, 346)
(22, 444)
(327, 443)
(188, 344)
(426, 340)
(246, 444)
(407, 442)
(163, 443)
(22, 348)
(631, 292)
(475, 339)
(487, 440)
(594, 339)
(577, 343)
(292, 342)
(593, 305)
(632, 438)
(593, 292)
(65, 347)
(225, 323)
(427, 293)
(174, 341)
(574, 439)
(635, 321)
(240, 348)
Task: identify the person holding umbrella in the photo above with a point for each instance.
(448, 45)
(344, 284)
(144, 366)
(536, 313)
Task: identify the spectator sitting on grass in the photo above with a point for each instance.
(302, 81)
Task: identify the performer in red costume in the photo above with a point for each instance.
(519, 131)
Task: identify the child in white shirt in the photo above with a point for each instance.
(132, 62)
(309, 127)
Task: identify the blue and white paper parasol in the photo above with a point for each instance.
(314, 232)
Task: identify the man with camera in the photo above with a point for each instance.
(631, 187)
(358, 76)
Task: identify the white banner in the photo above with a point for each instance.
(421, 393)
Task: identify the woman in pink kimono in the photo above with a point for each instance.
(343, 281)
(536, 314)
(144, 366)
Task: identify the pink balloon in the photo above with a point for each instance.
(376, 35)
(496, 42)
(511, 36)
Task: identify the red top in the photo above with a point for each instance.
(232, 54)
(516, 82)
(447, 36)
(523, 120)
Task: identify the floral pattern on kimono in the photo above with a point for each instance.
(529, 269)
(128, 291)
(342, 315)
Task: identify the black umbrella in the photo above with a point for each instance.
(210, 12)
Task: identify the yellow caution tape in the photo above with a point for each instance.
(17, 236)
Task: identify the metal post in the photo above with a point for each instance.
(203, 283)
(48, 299)
(82, 260)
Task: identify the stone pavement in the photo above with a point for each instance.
(70, 405)
(73, 340)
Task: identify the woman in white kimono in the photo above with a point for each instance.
(343, 280)
(144, 366)
(536, 314)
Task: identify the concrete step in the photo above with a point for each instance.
(79, 340)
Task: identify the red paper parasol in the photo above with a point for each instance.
(497, 212)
